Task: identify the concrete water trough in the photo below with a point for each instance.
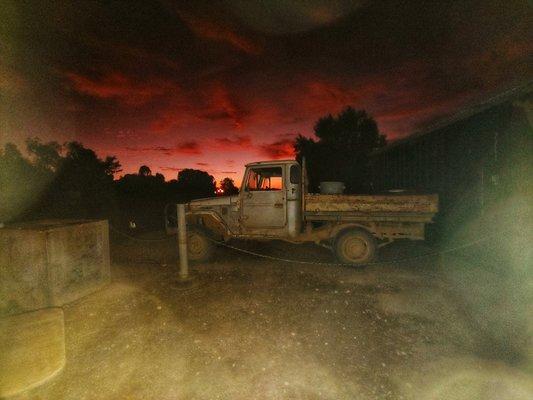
(50, 263)
(44, 265)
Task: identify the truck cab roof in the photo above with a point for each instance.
(270, 162)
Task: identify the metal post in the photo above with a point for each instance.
(182, 242)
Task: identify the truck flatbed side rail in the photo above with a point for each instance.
(372, 204)
(351, 216)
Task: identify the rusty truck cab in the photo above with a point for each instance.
(270, 199)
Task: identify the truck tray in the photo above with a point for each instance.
(425, 204)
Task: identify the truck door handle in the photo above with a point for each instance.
(278, 205)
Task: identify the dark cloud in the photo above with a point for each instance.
(235, 142)
(118, 86)
(171, 169)
(222, 104)
(283, 17)
(188, 147)
(282, 147)
(215, 31)
(223, 79)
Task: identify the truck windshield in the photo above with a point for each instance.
(269, 178)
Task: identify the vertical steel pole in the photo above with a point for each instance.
(182, 242)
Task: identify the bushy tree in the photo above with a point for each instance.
(83, 185)
(145, 171)
(67, 181)
(195, 184)
(45, 155)
(142, 198)
(342, 151)
(228, 187)
(22, 184)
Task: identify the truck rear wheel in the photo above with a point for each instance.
(199, 247)
(355, 246)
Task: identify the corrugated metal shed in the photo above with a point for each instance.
(470, 160)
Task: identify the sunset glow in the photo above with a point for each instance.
(214, 87)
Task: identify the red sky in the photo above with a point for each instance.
(215, 85)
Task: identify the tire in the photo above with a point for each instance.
(199, 247)
(355, 246)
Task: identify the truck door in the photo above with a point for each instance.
(263, 199)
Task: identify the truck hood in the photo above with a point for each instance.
(214, 201)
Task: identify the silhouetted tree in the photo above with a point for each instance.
(83, 185)
(142, 198)
(145, 171)
(194, 184)
(46, 155)
(22, 184)
(228, 187)
(48, 184)
(342, 150)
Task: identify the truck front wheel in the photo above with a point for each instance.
(199, 247)
(355, 246)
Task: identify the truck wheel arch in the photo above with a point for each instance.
(340, 229)
(209, 223)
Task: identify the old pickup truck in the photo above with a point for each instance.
(273, 204)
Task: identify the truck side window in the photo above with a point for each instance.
(262, 179)
(295, 174)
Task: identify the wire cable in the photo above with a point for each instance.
(397, 261)
(294, 261)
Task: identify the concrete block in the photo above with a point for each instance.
(32, 349)
(50, 263)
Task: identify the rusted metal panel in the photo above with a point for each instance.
(264, 209)
(360, 216)
(367, 204)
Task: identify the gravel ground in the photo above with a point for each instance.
(249, 328)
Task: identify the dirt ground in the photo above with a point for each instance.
(249, 328)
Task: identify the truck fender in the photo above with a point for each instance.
(210, 223)
(338, 230)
